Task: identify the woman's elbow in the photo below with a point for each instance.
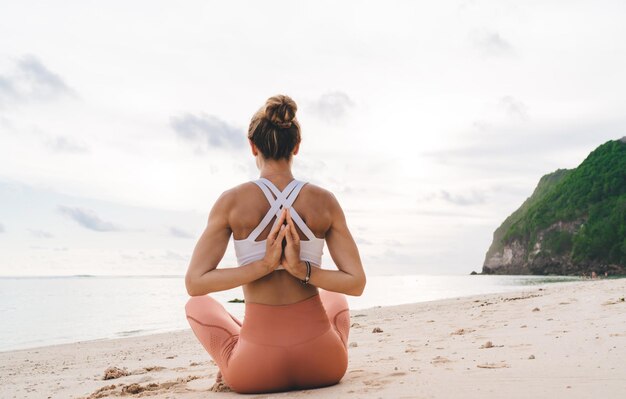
(359, 286)
(191, 286)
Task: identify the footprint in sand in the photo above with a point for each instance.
(440, 360)
(462, 331)
(490, 344)
(356, 371)
(498, 365)
(145, 370)
(369, 379)
(376, 383)
(614, 301)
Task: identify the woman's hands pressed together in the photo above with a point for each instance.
(274, 244)
(291, 254)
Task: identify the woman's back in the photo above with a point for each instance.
(249, 206)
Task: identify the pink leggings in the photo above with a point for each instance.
(278, 347)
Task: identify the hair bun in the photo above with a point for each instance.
(280, 110)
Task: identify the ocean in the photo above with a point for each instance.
(41, 311)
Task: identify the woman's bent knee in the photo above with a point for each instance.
(208, 312)
(203, 308)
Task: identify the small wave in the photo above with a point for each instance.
(129, 333)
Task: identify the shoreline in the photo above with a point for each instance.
(489, 344)
(144, 333)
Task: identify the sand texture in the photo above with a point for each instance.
(564, 341)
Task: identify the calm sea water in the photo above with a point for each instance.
(39, 311)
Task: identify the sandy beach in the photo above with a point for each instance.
(567, 340)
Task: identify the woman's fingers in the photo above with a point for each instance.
(292, 227)
(288, 236)
(281, 236)
(277, 227)
(274, 247)
(276, 242)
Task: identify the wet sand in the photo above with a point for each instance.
(564, 341)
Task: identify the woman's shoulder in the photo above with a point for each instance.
(314, 188)
(322, 199)
(242, 187)
(250, 185)
(245, 190)
(229, 196)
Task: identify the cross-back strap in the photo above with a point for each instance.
(294, 215)
(276, 204)
(298, 220)
(283, 198)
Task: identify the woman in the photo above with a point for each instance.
(295, 331)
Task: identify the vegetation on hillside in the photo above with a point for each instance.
(593, 193)
(546, 184)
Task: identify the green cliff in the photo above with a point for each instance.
(573, 223)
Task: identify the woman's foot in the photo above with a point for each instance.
(220, 385)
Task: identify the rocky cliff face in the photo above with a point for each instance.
(539, 257)
(511, 259)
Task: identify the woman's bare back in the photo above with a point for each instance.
(249, 206)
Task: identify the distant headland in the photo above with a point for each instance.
(574, 223)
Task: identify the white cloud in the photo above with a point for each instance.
(331, 106)
(40, 233)
(490, 43)
(514, 107)
(208, 129)
(88, 219)
(180, 233)
(31, 80)
(473, 198)
(65, 144)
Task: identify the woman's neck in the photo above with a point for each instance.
(272, 173)
(275, 169)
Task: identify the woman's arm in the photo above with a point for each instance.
(350, 278)
(203, 276)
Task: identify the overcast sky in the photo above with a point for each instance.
(122, 122)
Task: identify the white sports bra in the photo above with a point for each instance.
(249, 250)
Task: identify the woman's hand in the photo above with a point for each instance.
(274, 244)
(291, 254)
